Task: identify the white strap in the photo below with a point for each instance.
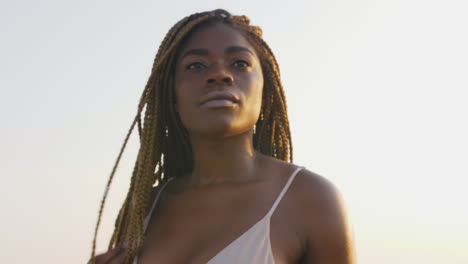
(148, 216)
(285, 188)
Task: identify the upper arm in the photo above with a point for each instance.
(324, 222)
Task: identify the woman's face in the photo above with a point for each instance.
(218, 83)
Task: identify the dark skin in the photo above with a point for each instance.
(233, 186)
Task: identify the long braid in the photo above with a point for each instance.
(165, 149)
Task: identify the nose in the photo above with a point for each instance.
(219, 75)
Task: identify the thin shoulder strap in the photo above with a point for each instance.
(148, 217)
(283, 191)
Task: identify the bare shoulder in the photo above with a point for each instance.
(317, 199)
(322, 218)
(314, 190)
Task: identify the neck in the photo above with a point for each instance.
(223, 160)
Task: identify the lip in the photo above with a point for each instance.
(219, 96)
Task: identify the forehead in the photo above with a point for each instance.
(216, 38)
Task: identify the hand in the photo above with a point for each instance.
(115, 256)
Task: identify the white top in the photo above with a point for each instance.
(253, 246)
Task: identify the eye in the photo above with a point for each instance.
(241, 64)
(195, 66)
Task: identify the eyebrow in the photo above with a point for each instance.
(231, 49)
(195, 52)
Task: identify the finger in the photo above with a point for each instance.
(103, 258)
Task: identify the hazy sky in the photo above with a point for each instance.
(377, 94)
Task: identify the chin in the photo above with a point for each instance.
(218, 129)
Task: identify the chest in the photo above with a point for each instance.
(195, 227)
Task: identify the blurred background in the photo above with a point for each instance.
(377, 96)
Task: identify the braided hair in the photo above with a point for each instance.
(165, 150)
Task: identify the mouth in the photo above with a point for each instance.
(218, 103)
(219, 99)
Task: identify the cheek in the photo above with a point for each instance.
(186, 94)
(256, 91)
(181, 91)
(183, 100)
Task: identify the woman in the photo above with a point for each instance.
(215, 138)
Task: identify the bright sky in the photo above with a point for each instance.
(377, 95)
